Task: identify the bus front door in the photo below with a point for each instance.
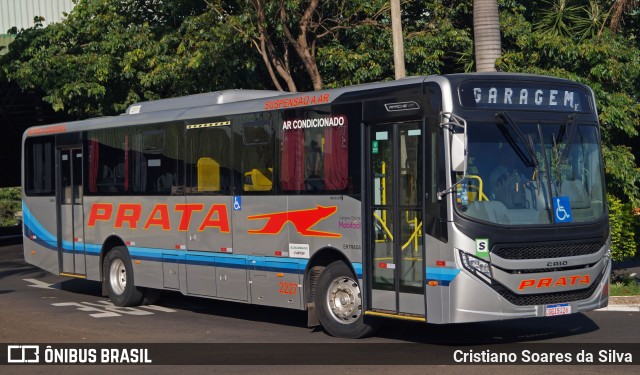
(70, 215)
(395, 249)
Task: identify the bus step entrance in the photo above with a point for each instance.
(394, 315)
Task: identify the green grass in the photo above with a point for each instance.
(624, 285)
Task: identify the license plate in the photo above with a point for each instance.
(558, 309)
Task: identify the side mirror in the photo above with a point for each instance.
(459, 152)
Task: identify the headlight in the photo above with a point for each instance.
(477, 266)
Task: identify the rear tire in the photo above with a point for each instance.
(338, 301)
(150, 296)
(118, 276)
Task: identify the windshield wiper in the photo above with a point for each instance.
(532, 161)
(569, 126)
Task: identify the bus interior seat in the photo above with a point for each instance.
(314, 183)
(119, 173)
(258, 180)
(208, 174)
(164, 183)
(107, 184)
(107, 173)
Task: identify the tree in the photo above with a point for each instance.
(108, 54)
(486, 33)
(288, 34)
(606, 61)
(398, 40)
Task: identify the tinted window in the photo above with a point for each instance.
(155, 160)
(254, 154)
(314, 151)
(208, 160)
(108, 168)
(39, 166)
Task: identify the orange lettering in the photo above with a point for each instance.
(162, 220)
(99, 211)
(573, 279)
(221, 222)
(526, 284)
(544, 282)
(561, 282)
(187, 210)
(129, 212)
(585, 280)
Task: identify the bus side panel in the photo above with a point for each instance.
(327, 221)
(259, 225)
(40, 242)
(276, 282)
(148, 226)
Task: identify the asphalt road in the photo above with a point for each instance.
(38, 307)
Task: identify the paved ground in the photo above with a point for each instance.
(38, 307)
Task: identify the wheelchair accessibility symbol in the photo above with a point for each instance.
(237, 203)
(562, 210)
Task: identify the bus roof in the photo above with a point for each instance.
(230, 102)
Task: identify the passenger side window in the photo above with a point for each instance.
(39, 166)
(314, 152)
(109, 152)
(257, 157)
(208, 160)
(155, 160)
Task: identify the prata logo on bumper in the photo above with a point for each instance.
(551, 281)
(555, 282)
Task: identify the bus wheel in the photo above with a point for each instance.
(339, 303)
(118, 274)
(150, 296)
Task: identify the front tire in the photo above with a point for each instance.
(339, 303)
(118, 275)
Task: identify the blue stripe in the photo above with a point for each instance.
(444, 276)
(250, 262)
(32, 226)
(358, 268)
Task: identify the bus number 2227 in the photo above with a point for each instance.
(288, 288)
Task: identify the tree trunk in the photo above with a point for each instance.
(398, 43)
(486, 32)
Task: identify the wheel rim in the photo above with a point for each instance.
(344, 300)
(118, 276)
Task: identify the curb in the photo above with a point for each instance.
(622, 303)
(628, 308)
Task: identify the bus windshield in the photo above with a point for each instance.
(532, 173)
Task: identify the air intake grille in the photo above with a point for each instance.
(549, 298)
(546, 251)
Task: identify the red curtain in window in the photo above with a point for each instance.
(292, 160)
(336, 157)
(93, 165)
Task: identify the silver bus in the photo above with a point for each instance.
(440, 199)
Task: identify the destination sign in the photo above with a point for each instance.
(524, 96)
